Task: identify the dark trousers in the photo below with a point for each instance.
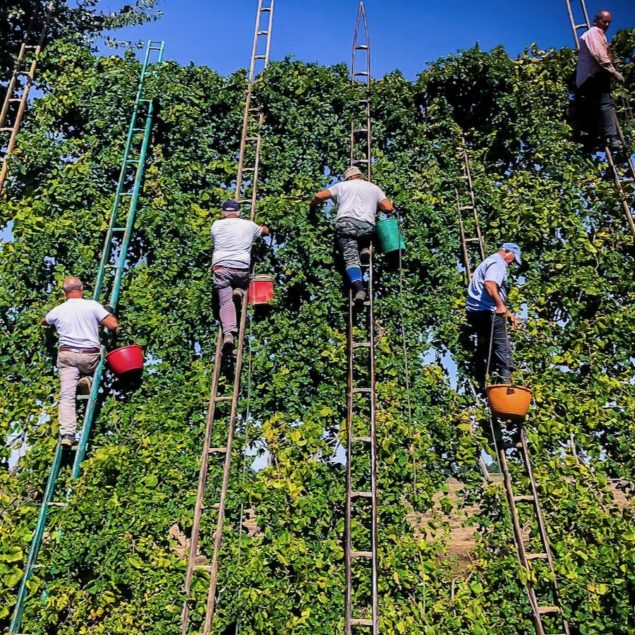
(480, 328)
(596, 105)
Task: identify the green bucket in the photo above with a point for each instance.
(389, 236)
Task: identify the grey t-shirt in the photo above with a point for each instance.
(232, 238)
(357, 199)
(493, 268)
(77, 322)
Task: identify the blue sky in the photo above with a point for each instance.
(405, 34)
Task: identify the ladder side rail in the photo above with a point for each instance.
(517, 530)
(470, 185)
(36, 542)
(11, 89)
(373, 447)
(617, 181)
(349, 473)
(132, 210)
(202, 486)
(220, 522)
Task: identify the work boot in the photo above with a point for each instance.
(364, 255)
(238, 295)
(67, 440)
(614, 143)
(228, 343)
(359, 298)
(84, 385)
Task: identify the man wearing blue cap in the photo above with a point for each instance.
(487, 314)
(232, 237)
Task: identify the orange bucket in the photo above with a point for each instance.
(260, 289)
(508, 401)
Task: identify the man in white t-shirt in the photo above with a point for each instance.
(358, 202)
(232, 237)
(77, 323)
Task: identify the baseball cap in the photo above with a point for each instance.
(230, 206)
(515, 249)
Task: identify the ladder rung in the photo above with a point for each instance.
(18, 99)
(518, 499)
(361, 344)
(463, 208)
(361, 47)
(368, 555)
(536, 556)
(119, 229)
(25, 73)
(263, 32)
(132, 160)
(249, 169)
(361, 494)
(217, 399)
(6, 129)
(361, 439)
(360, 161)
(359, 130)
(259, 57)
(265, 9)
(472, 240)
(251, 138)
(364, 100)
(361, 622)
(361, 390)
(361, 73)
(548, 610)
(217, 450)
(54, 504)
(202, 567)
(30, 46)
(582, 25)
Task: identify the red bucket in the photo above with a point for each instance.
(125, 359)
(260, 289)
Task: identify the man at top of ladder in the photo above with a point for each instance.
(358, 202)
(233, 237)
(593, 79)
(77, 324)
(487, 315)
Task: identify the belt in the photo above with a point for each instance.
(221, 268)
(70, 349)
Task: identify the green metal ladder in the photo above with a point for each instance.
(117, 238)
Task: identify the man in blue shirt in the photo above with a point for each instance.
(487, 314)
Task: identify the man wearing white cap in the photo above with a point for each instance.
(358, 202)
(487, 314)
(232, 237)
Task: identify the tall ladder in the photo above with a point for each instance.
(111, 271)
(220, 426)
(470, 233)
(528, 557)
(362, 609)
(17, 95)
(469, 225)
(623, 174)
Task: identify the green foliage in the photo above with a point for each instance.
(113, 560)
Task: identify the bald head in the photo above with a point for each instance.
(73, 287)
(603, 19)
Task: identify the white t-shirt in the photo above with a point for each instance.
(357, 199)
(232, 238)
(77, 322)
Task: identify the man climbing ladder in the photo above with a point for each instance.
(233, 237)
(487, 315)
(595, 73)
(77, 323)
(358, 203)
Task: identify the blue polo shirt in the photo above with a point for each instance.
(493, 268)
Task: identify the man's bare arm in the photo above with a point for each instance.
(110, 322)
(43, 322)
(319, 198)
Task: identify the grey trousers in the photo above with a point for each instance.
(225, 281)
(352, 235)
(71, 367)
